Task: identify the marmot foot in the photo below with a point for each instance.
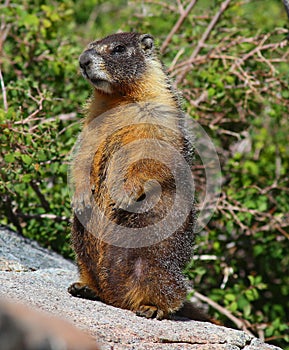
(80, 290)
(150, 311)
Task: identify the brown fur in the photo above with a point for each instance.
(147, 279)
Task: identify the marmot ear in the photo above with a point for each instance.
(147, 43)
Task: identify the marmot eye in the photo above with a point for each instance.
(118, 49)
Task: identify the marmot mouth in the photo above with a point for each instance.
(101, 84)
(93, 80)
(84, 73)
(97, 81)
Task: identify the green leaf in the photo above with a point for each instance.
(30, 20)
(26, 178)
(9, 158)
(230, 297)
(26, 159)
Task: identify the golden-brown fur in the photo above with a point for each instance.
(138, 107)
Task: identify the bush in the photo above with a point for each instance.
(234, 83)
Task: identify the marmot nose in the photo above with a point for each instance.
(85, 59)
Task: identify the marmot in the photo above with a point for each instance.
(133, 202)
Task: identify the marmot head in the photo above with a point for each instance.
(117, 62)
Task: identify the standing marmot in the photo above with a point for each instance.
(133, 197)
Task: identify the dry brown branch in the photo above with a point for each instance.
(251, 53)
(220, 48)
(229, 207)
(271, 187)
(203, 97)
(31, 117)
(263, 59)
(242, 74)
(239, 322)
(219, 53)
(178, 24)
(201, 42)
(248, 79)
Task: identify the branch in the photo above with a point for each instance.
(177, 26)
(3, 92)
(163, 4)
(204, 37)
(45, 204)
(259, 47)
(63, 117)
(4, 30)
(38, 110)
(44, 216)
(240, 323)
(10, 213)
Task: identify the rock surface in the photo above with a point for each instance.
(39, 278)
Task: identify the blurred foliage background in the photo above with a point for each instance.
(234, 82)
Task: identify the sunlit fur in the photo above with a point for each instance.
(145, 278)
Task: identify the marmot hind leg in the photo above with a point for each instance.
(86, 288)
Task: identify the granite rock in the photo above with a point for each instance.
(39, 279)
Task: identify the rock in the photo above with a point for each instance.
(21, 254)
(39, 278)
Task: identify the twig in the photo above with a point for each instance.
(263, 59)
(275, 223)
(228, 132)
(4, 96)
(43, 216)
(175, 60)
(251, 53)
(45, 204)
(283, 232)
(205, 257)
(204, 37)
(63, 117)
(163, 4)
(39, 109)
(203, 97)
(178, 24)
(232, 43)
(180, 5)
(240, 323)
(10, 213)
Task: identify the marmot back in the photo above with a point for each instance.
(133, 195)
